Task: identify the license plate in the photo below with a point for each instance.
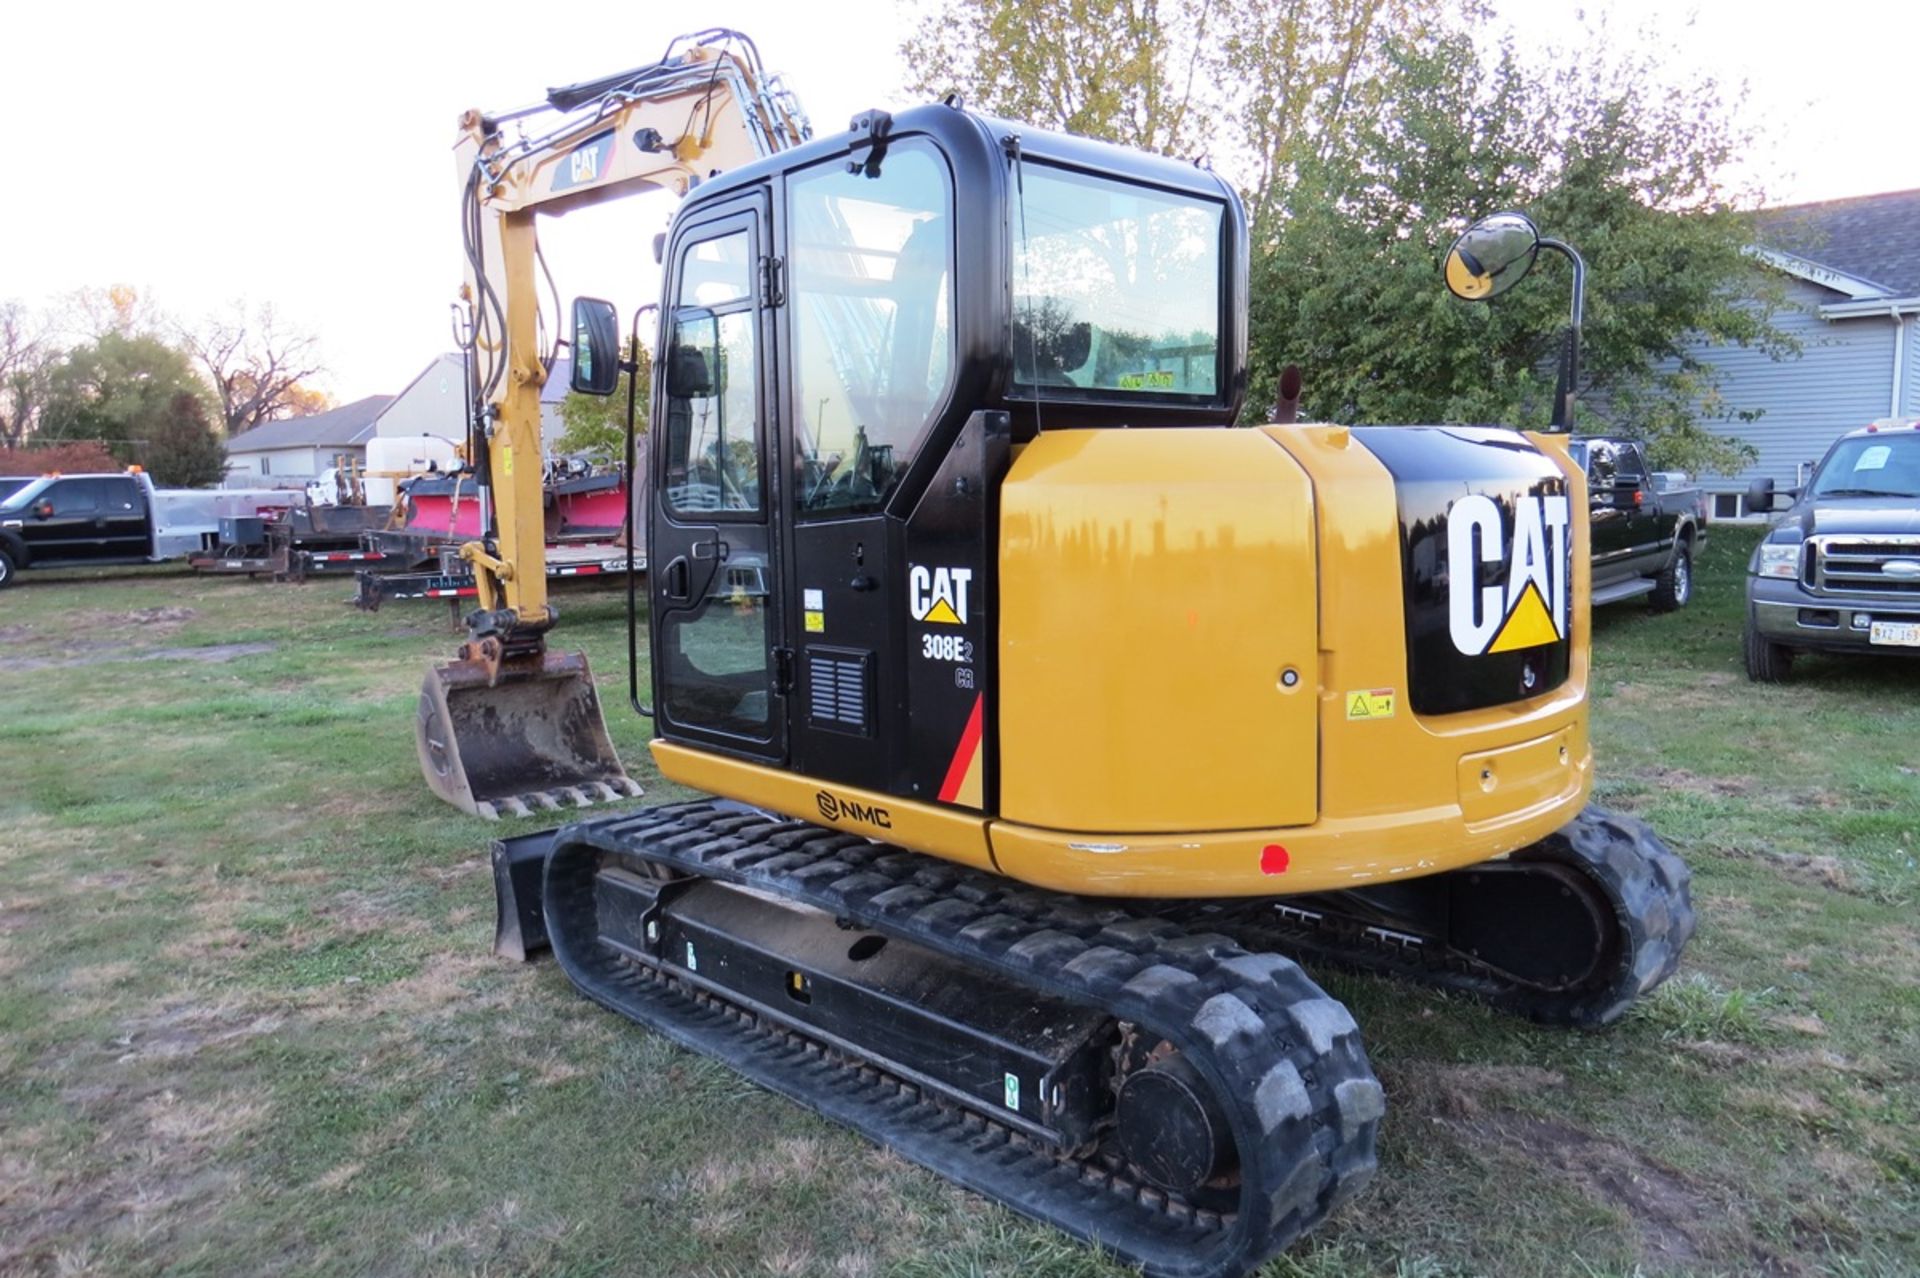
(1903, 634)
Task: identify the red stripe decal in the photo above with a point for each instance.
(964, 752)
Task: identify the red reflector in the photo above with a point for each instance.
(1273, 859)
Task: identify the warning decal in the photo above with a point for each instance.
(1375, 703)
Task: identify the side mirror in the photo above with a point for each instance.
(1491, 256)
(596, 346)
(1761, 496)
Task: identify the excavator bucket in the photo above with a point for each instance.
(512, 742)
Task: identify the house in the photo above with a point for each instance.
(1851, 271)
(433, 403)
(296, 449)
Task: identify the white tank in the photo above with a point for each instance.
(408, 454)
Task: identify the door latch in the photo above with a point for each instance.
(783, 670)
(714, 549)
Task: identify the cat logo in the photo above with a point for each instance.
(1531, 608)
(938, 594)
(585, 164)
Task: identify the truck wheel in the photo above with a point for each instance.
(6, 570)
(1674, 587)
(1767, 662)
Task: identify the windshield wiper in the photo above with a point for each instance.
(1862, 492)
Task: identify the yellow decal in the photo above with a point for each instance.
(506, 459)
(816, 622)
(942, 611)
(1528, 626)
(1376, 703)
(1158, 380)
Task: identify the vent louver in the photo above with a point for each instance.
(838, 691)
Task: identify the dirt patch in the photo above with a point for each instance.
(189, 1029)
(1463, 1091)
(1692, 783)
(1666, 1211)
(160, 616)
(210, 653)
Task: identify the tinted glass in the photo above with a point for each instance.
(1116, 287)
(717, 271)
(871, 301)
(1601, 470)
(74, 497)
(118, 496)
(712, 453)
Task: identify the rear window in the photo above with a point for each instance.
(1116, 287)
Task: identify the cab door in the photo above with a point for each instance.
(123, 519)
(717, 662)
(65, 523)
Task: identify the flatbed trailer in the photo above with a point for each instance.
(453, 580)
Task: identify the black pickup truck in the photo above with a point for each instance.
(1839, 571)
(1645, 535)
(65, 521)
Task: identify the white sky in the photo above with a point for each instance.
(300, 154)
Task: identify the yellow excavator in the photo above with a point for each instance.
(1051, 719)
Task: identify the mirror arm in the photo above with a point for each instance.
(1570, 358)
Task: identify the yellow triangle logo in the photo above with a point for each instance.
(1358, 710)
(1529, 625)
(942, 611)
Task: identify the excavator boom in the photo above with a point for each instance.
(507, 727)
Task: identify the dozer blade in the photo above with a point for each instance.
(532, 740)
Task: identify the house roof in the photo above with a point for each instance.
(1873, 238)
(346, 426)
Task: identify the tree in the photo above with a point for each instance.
(181, 450)
(1603, 154)
(116, 389)
(258, 367)
(1253, 84)
(70, 458)
(27, 357)
(597, 424)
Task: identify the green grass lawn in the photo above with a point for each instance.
(250, 1021)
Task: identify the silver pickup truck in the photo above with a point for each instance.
(1647, 525)
(1839, 570)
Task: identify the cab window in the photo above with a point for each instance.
(1602, 468)
(712, 437)
(870, 295)
(73, 497)
(1116, 288)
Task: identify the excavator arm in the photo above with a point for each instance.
(507, 727)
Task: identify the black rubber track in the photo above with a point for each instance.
(1645, 885)
(1284, 1060)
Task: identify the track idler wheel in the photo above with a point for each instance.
(1171, 1130)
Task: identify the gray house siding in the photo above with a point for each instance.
(1842, 379)
(1911, 374)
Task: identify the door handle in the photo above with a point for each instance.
(714, 549)
(677, 585)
